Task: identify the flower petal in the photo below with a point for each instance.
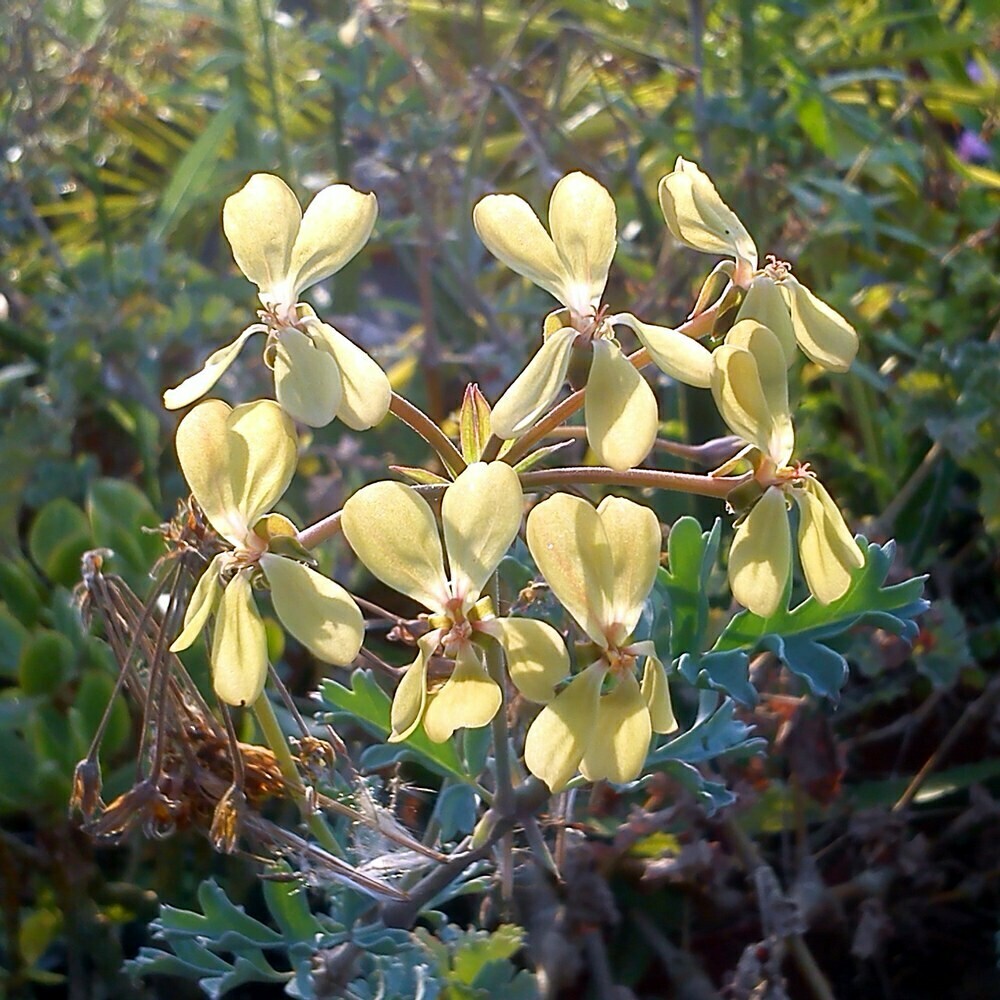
(562, 731)
(620, 411)
(583, 221)
(204, 599)
(633, 533)
(681, 357)
(511, 231)
(307, 380)
(765, 303)
(823, 334)
(336, 225)
(195, 386)
(760, 560)
(537, 659)
(393, 532)
(410, 699)
(772, 370)
(568, 542)
(367, 392)
(470, 698)
(202, 443)
(263, 451)
(826, 547)
(739, 394)
(622, 731)
(656, 692)
(698, 217)
(239, 645)
(261, 221)
(535, 389)
(315, 609)
(481, 513)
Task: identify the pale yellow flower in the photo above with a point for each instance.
(750, 387)
(601, 564)
(699, 218)
(394, 533)
(572, 264)
(319, 375)
(238, 463)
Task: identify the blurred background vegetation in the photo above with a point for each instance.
(855, 139)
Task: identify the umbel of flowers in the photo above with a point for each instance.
(600, 563)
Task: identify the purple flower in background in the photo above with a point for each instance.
(973, 148)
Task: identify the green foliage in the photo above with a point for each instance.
(223, 948)
(367, 703)
(799, 637)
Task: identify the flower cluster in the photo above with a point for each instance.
(238, 463)
(319, 374)
(601, 707)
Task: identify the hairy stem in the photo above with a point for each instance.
(678, 482)
(418, 421)
(274, 737)
(503, 798)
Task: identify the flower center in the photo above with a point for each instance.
(590, 324)
(619, 660)
(777, 269)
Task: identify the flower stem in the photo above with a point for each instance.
(695, 327)
(677, 482)
(504, 795)
(320, 531)
(418, 421)
(268, 721)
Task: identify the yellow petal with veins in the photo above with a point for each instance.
(772, 371)
(393, 532)
(263, 451)
(512, 232)
(656, 692)
(568, 542)
(633, 533)
(481, 513)
(239, 645)
(536, 388)
(698, 217)
(620, 411)
(469, 699)
(261, 222)
(823, 334)
(563, 730)
(316, 610)
(583, 221)
(410, 699)
(827, 549)
(739, 395)
(307, 380)
(765, 303)
(195, 386)
(622, 731)
(366, 389)
(202, 443)
(681, 357)
(336, 225)
(204, 599)
(537, 659)
(760, 560)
